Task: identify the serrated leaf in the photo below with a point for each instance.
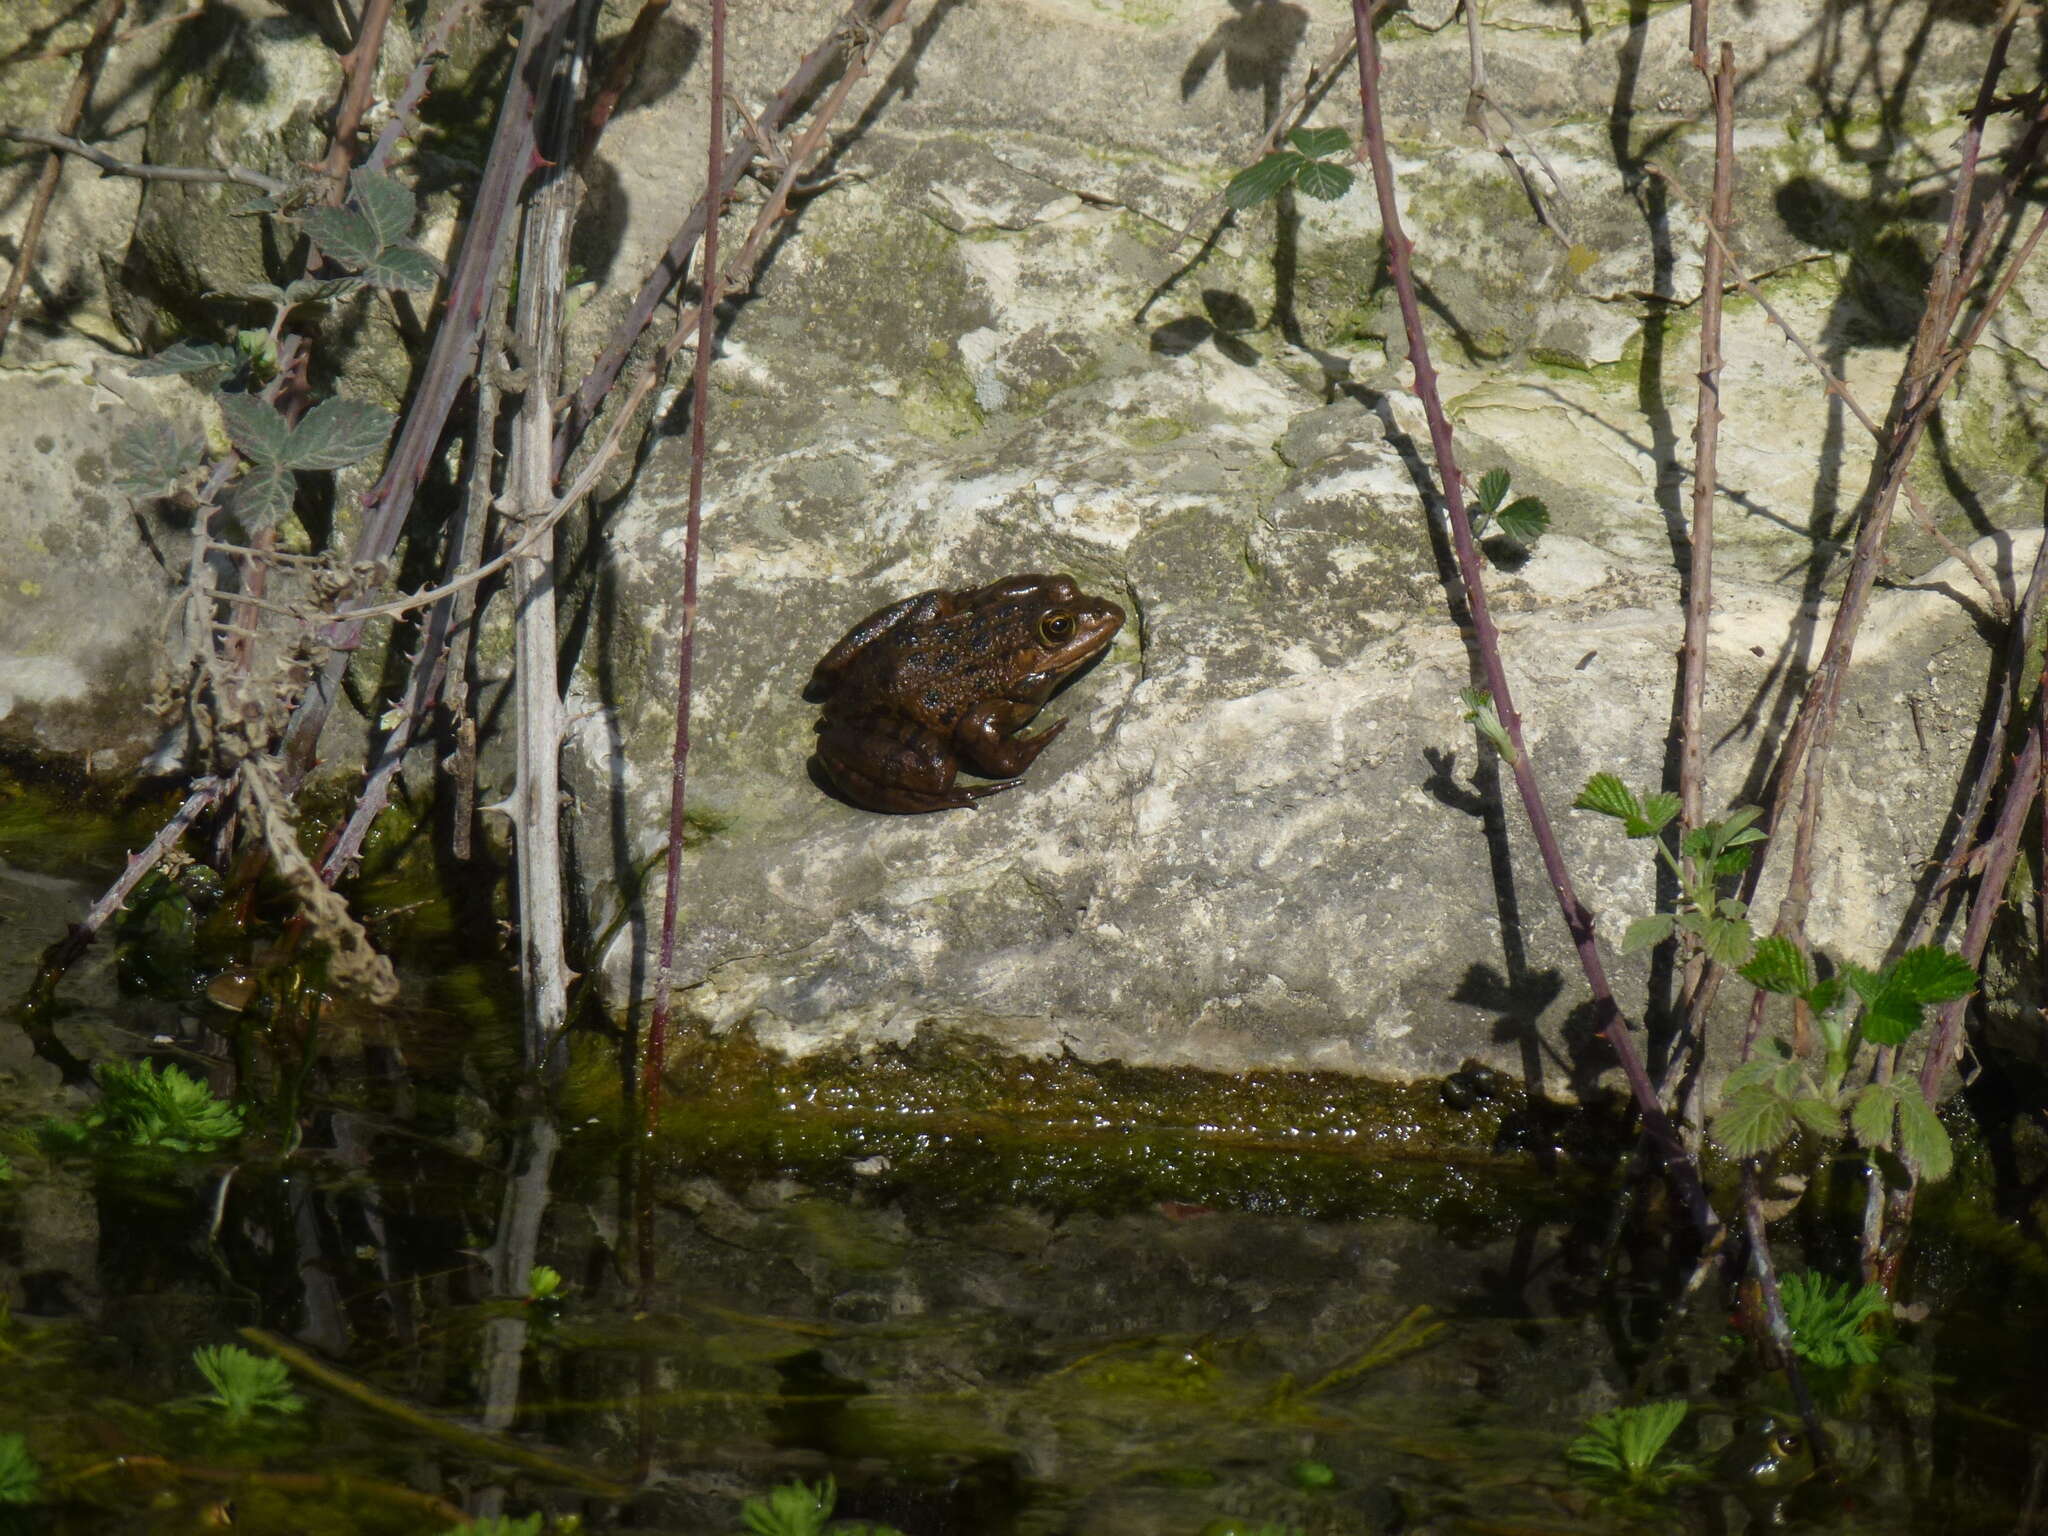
(1923, 1138)
(386, 202)
(1890, 1018)
(263, 495)
(1817, 1115)
(1317, 142)
(1491, 490)
(1322, 181)
(1752, 1122)
(1733, 862)
(1524, 519)
(338, 433)
(1647, 932)
(188, 357)
(400, 266)
(1865, 984)
(151, 456)
(1697, 844)
(1256, 183)
(1605, 793)
(1931, 974)
(318, 290)
(1656, 814)
(1778, 966)
(1770, 1070)
(1825, 996)
(262, 293)
(1870, 1114)
(1726, 939)
(343, 234)
(255, 427)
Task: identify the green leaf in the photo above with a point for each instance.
(1605, 793)
(1524, 519)
(245, 1384)
(1322, 181)
(1923, 1138)
(1931, 974)
(386, 202)
(1647, 932)
(318, 290)
(1482, 716)
(337, 433)
(1825, 996)
(1656, 815)
(262, 496)
(1890, 1018)
(1256, 183)
(543, 1281)
(790, 1509)
(1733, 862)
(1625, 1448)
(1777, 966)
(151, 456)
(501, 1525)
(19, 1473)
(188, 356)
(1726, 939)
(255, 427)
(259, 347)
(1751, 1122)
(1318, 142)
(1644, 1431)
(1817, 1115)
(1829, 1321)
(403, 267)
(343, 234)
(1491, 491)
(1870, 1114)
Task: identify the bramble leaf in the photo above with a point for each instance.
(1256, 183)
(263, 495)
(1483, 717)
(1931, 974)
(1524, 519)
(318, 290)
(1647, 932)
(1870, 1114)
(1817, 1115)
(1322, 181)
(343, 234)
(1317, 142)
(1922, 1136)
(1751, 1122)
(1891, 1017)
(1491, 491)
(337, 433)
(400, 266)
(1778, 966)
(151, 456)
(188, 356)
(387, 204)
(1605, 793)
(1658, 809)
(256, 428)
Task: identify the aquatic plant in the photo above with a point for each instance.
(1830, 1321)
(141, 1107)
(797, 1509)
(19, 1474)
(1623, 1449)
(245, 1385)
(543, 1283)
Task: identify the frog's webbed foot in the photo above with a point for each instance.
(989, 751)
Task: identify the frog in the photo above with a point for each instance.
(931, 682)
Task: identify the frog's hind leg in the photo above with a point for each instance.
(874, 796)
(892, 765)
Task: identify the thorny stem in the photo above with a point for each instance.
(359, 67)
(113, 165)
(97, 47)
(432, 51)
(860, 21)
(1780, 1326)
(1706, 437)
(653, 1055)
(1612, 1025)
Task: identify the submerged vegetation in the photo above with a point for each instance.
(906, 1290)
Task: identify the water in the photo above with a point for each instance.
(983, 1297)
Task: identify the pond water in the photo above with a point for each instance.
(980, 1297)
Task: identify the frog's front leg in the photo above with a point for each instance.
(987, 737)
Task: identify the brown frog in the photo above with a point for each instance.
(943, 678)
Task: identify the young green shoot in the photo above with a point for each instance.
(19, 1474)
(1484, 718)
(1623, 1450)
(1831, 1322)
(141, 1107)
(1717, 924)
(245, 1385)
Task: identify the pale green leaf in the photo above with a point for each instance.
(1322, 181)
(1647, 932)
(343, 234)
(1605, 793)
(151, 456)
(1870, 1114)
(255, 427)
(1923, 1138)
(1258, 182)
(1751, 1122)
(263, 495)
(386, 203)
(1492, 490)
(188, 356)
(1778, 966)
(1525, 519)
(1318, 142)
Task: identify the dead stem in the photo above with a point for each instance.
(114, 166)
(1578, 920)
(97, 47)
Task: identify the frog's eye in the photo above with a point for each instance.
(1056, 628)
(1788, 1443)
